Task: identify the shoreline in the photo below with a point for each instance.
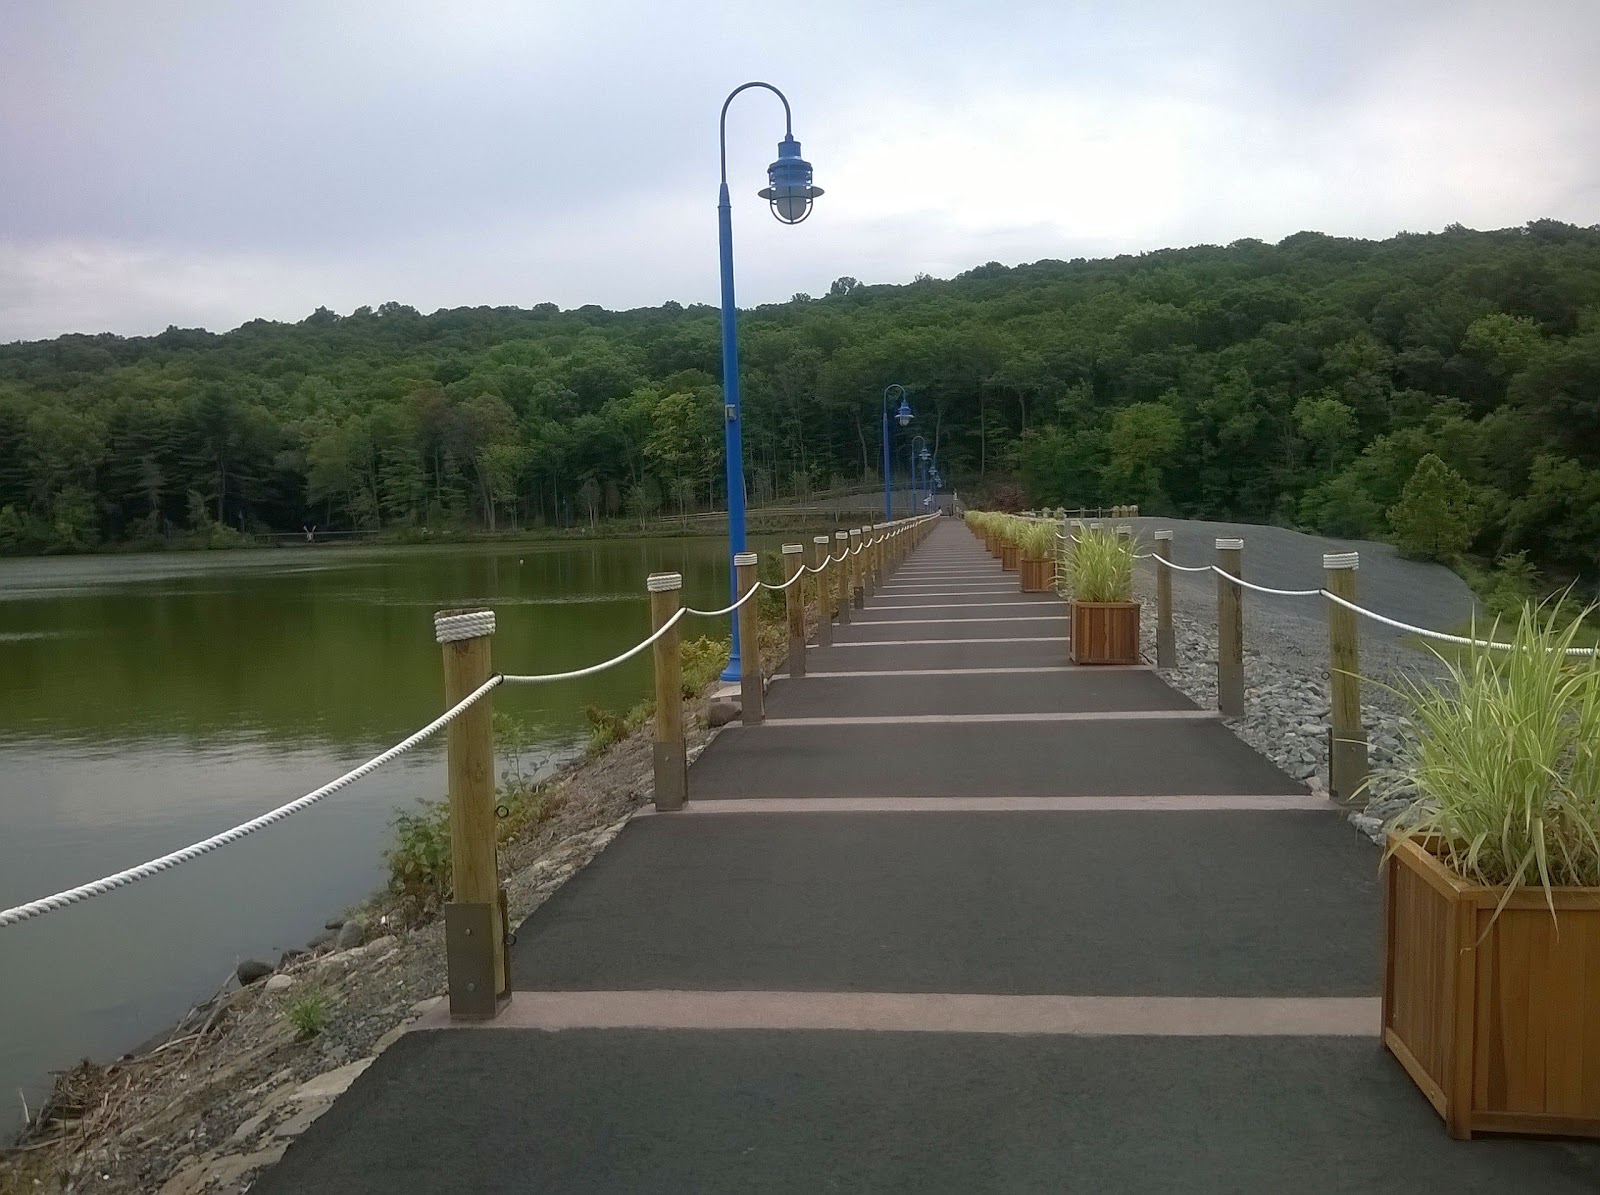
(224, 1090)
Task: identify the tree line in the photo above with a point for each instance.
(1302, 383)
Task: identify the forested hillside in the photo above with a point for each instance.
(1301, 382)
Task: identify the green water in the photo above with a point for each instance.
(146, 702)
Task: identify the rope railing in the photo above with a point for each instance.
(49, 904)
(1394, 623)
(448, 628)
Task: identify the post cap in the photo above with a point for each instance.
(1163, 535)
(793, 549)
(853, 531)
(452, 626)
(1337, 560)
(1230, 545)
(821, 539)
(841, 535)
(742, 559)
(1125, 527)
(663, 582)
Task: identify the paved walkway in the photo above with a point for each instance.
(958, 917)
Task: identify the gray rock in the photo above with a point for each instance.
(252, 970)
(720, 713)
(351, 933)
(320, 939)
(279, 983)
(334, 923)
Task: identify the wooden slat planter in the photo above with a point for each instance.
(1105, 632)
(1037, 576)
(990, 546)
(1496, 1019)
(1008, 557)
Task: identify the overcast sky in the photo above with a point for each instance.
(205, 162)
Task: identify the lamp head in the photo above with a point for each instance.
(924, 455)
(903, 415)
(789, 188)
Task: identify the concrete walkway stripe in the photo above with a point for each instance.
(936, 1012)
(874, 607)
(928, 642)
(1085, 672)
(908, 622)
(936, 719)
(1289, 803)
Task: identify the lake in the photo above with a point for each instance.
(150, 701)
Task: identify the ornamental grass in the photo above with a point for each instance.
(1504, 757)
(1100, 566)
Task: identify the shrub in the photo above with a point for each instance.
(419, 861)
(1038, 540)
(1505, 758)
(308, 1012)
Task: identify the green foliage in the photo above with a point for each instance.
(607, 729)
(703, 661)
(1100, 566)
(1037, 539)
(1298, 381)
(419, 861)
(1506, 758)
(308, 1012)
(1434, 519)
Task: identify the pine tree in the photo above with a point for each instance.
(1434, 519)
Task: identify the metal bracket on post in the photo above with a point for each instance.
(470, 958)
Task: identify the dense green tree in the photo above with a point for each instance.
(1301, 382)
(1434, 518)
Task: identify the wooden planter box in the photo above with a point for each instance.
(1038, 576)
(1496, 1019)
(1008, 558)
(990, 546)
(1105, 632)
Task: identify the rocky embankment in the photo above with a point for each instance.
(1286, 689)
(221, 1096)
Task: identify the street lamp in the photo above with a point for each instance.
(903, 416)
(915, 440)
(789, 192)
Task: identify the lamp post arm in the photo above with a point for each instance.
(722, 124)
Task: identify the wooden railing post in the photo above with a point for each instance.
(1230, 629)
(752, 698)
(1125, 534)
(475, 919)
(824, 587)
(1347, 749)
(858, 592)
(671, 754)
(842, 570)
(794, 604)
(1166, 636)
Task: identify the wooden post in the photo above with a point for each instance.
(1347, 751)
(1230, 630)
(752, 698)
(671, 755)
(824, 583)
(794, 602)
(475, 919)
(1166, 636)
(841, 570)
(858, 595)
(1125, 534)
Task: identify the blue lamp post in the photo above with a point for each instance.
(902, 416)
(789, 192)
(915, 473)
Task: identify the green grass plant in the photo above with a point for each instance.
(1505, 756)
(308, 1012)
(1100, 567)
(1037, 540)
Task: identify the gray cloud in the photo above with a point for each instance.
(208, 163)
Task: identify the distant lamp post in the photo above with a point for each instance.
(789, 192)
(916, 474)
(902, 416)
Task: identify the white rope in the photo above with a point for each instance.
(750, 593)
(1182, 568)
(1227, 576)
(546, 678)
(473, 624)
(786, 584)
(72, 896)
(1439, 635)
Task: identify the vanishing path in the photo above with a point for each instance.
(959, 917)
